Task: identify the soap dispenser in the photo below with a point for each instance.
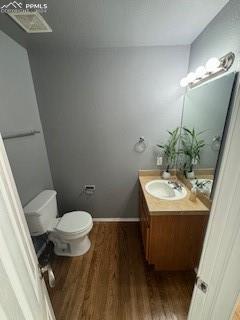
(193, 194)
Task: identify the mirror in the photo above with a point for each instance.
(203, 121)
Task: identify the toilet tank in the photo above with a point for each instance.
(41, 211)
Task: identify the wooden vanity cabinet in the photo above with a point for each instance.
(172, 241)
(144, 222)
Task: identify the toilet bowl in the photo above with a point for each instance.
(69, 233)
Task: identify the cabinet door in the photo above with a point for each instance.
(144, 223)
(176, 241)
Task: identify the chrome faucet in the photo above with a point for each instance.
(175, 185)
(201, 185)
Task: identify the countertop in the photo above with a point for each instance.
(172, 207)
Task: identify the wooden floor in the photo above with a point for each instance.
(113, 282)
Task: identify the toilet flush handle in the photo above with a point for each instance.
(51, 277)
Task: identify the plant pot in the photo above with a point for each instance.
(166, 175)
(190, 174)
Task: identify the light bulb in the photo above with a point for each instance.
(184, 82)
(200, 72)
(212, 65)
(191, 77)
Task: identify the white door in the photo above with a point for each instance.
(220, 262)
(23, 293)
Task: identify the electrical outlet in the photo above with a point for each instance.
(159, 161)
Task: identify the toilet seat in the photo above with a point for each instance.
(74, 222)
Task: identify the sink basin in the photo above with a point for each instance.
(162, 189)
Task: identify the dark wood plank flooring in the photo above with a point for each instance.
(113, 282)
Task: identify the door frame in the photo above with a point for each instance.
(221, 250)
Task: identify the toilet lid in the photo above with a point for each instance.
(73, 222)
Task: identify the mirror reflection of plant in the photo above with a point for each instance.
(191, 147)
(170, 148)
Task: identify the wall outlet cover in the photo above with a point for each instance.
(159, 161)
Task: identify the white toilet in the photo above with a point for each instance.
(68, 233)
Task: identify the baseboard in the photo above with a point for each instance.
(115, 219)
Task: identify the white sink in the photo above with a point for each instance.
(163, 189)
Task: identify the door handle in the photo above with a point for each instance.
(51, 277)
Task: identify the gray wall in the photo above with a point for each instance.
(220, 36)
(19, 111)
(94, 106)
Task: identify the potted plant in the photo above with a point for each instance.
(170, 151)
(192, 145)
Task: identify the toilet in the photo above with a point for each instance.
(69, 233)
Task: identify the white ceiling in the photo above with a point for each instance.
(119, 23)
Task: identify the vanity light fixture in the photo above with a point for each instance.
(200, 72)
(184, 82)
(213, 68)
(213, 65)
(191, 77)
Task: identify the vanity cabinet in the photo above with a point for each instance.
(172, 240)
(144, 223)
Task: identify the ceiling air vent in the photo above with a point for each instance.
(31, 22)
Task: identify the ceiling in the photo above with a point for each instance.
(121, 23)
